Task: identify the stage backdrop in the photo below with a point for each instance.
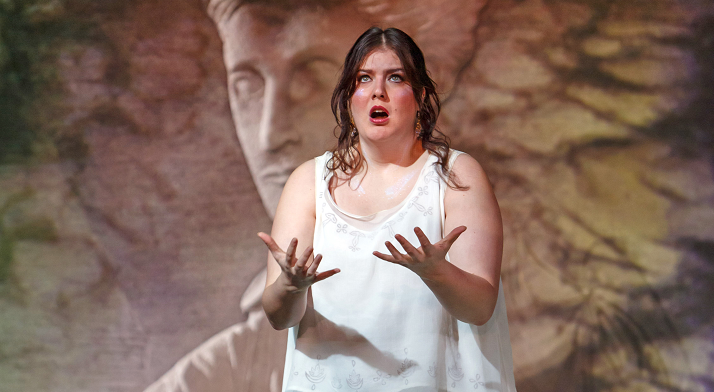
(129, 203)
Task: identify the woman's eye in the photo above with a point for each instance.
(396, 78)
(363, 79)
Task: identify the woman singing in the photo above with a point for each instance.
(407, 236)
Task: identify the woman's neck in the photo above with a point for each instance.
(402, 153)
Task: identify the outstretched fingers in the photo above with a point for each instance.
(453, 236)
(385, 257)
(408, 247)
(325, 275)
(290, 252)
(423, 240)
(275, 250)
(312, 270)
(269, 242)
(394, 251)
(300, 264)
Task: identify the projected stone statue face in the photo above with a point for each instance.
(282, 67)
(283, 59)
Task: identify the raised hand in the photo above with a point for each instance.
(424, 259)
(297, 275)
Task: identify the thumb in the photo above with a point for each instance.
(453, 236)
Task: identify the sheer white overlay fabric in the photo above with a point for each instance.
(376, 326)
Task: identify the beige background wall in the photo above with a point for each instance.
(128, 214)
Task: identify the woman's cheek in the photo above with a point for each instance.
(359, 95)
(404, 94)
(404, 99)
(358, 101)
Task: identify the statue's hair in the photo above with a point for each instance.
(220, 10)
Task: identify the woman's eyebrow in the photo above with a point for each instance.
(393, 70)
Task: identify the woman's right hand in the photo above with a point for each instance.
(296, 274)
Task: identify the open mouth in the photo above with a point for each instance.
(378, 113)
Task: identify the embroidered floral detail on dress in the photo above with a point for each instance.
(355, 241)
(316, 374)
(382, 377)
(477, 381)
(342, 228)
(423, 190)
(432, 176)
(354, 380)
(329, 217)
(421, 208)
(406, 368)
(389, 225)
(336, 383)
(432, 370)
(455, 373)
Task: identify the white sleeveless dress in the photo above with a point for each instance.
(376, 326)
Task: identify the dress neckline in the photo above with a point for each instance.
(382, 215)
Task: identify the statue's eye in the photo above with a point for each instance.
(313, 78)
(248, 84)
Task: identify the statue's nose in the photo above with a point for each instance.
(276, 128)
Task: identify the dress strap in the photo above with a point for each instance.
(320, 169)
(453, 154)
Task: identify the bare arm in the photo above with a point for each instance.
(467, 286)
(290, 277)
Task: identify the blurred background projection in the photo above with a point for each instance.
(140, 152)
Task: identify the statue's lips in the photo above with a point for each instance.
(278, 177)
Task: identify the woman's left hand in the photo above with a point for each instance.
(425, 259)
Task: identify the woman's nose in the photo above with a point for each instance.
(276, 129)
(379, 89)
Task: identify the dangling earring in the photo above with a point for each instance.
(354, 132)
(417, 129)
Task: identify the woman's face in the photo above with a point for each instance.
(383, 105)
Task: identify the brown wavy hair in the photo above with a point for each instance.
(348, 159)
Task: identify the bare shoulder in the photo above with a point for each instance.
(470, 174)
(478, 201)
(299, 192)
(303, 175)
